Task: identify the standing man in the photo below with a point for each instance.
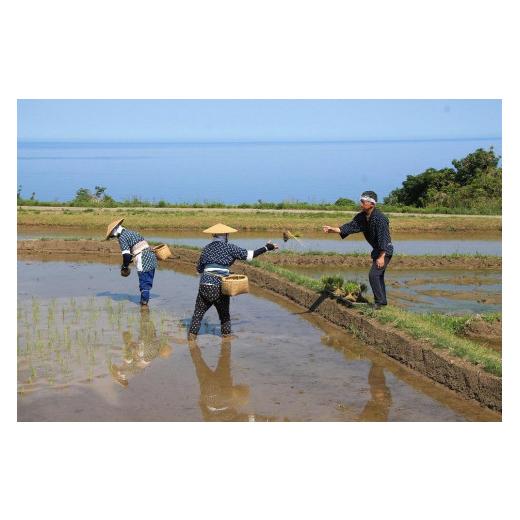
(374, 225)
(135, 247)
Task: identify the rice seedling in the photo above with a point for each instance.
(35, 311)
(332, 283)
(80, 342)
(76, 315)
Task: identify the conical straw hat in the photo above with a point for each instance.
(113, 225)
(219, 229)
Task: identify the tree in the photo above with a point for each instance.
(344, 202)
(475, 164)
(474, 180)
(83, 196)
(99, 191)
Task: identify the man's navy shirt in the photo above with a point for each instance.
(375, 229)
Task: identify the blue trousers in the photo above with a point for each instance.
(145, 284)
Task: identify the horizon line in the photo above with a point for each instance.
(250, 141)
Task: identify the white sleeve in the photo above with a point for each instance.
(126, 252)
(250, 253)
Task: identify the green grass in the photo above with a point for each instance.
(440, 332)
(271, 221)
(325, 283)
(456, 324)
(299, 279)
(491, 317)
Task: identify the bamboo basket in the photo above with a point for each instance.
(235, 284)
(162, 252)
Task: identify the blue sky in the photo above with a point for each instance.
(270, 120)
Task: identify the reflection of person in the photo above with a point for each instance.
(134, 247)
(214, 262)
(374, 225)
(137, 355)
(378, 407)
(219, 398)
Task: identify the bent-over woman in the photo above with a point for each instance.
(135, 248)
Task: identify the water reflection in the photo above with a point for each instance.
(67, 343)
(378, 406)
(138, 354)
(220, 399)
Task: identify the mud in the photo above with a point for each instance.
(108, 361)
(398, 262)
(453, 280)
(285, 259)
(456, 374)
(479, 297)
(484, 332)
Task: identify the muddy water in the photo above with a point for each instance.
(410, 244)
(86, 352)
(443, 290)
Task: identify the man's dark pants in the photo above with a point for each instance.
(376, 278)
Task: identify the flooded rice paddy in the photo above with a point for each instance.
(442, 290)
(409, 244)
(86, 352)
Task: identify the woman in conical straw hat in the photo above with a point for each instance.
(214, 262)
(135, 247)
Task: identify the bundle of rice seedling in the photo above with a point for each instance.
(287, 235)
(347, 289)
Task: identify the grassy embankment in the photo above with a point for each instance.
(438, 329)
(286, 204)
(276, 220)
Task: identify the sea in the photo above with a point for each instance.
(232, 172)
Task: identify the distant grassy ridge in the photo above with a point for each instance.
(279, 220)
(311, 206)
